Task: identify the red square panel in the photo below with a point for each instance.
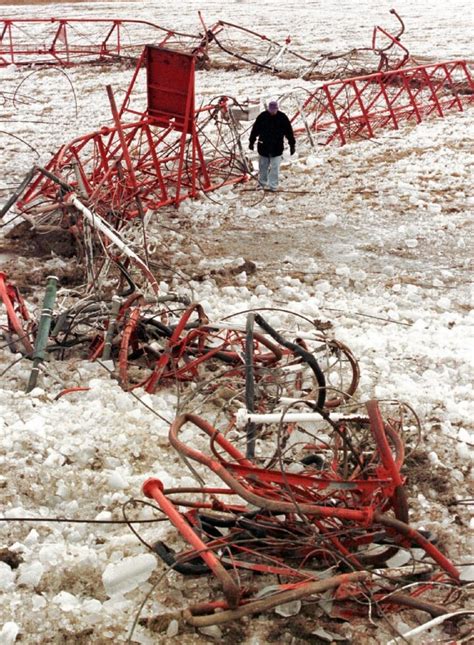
(170, 87)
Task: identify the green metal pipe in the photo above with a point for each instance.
(44, 327)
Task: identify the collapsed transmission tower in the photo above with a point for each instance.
(148, 158)
(70, 41)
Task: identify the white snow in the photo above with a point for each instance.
(30, 574)
(9, 632)
(7, 577)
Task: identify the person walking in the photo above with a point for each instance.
(270, 128)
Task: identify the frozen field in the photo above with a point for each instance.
(375, 237)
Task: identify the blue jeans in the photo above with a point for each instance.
(268, 169)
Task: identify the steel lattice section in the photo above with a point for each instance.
(358, 108)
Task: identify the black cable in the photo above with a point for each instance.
(305, 355)
(132, 287)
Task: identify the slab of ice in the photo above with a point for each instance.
(9, 633)
(30, 573)
(7, 577)
(128, 574)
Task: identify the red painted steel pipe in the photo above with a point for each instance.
(264, 604)
(8, 294)
(377, 428)
(154, 488)
(363, 517)
(414, 536)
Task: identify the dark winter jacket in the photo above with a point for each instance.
(270, 129)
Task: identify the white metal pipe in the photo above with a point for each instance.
(243, 417)
(98, 223)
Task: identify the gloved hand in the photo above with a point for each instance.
(251, 146)
(292, 150)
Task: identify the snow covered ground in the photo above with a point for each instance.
(375, 237)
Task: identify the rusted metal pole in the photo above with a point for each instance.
(154, 488)
(302, 591)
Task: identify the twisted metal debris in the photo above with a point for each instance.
(70, 41)
(327, 499)
(248, 47)
(316, 492)
(304, 489)
(302, 493)
(18, 328)
(152, 156)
